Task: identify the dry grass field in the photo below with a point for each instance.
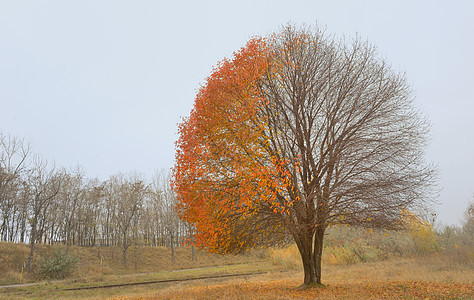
(429, 277)
(356, 265)
(139, 260)
(433, 277)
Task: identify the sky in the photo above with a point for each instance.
(103, 84)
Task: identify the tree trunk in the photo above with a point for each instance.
(67, 242)
(311, 256)
(172, 249)
(4, 226)
(30, 257)
(317, 253)
(192, 244)
(124, 250)
(32, 253)
(124, 257)
(23, 230)
(305, 244)
(32, 244)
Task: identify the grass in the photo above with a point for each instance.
(429, 277)
(139, 260)
(56, 289)
(356, 265)
(144, 264)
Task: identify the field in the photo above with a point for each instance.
(356, 265)
(433, 277)
(98, 263)
(429, 277)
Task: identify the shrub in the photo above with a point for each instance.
(58, 265)
(287, 257)
(352, 252)
(423, 235)
(345, 245)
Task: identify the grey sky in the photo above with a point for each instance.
(104, 83)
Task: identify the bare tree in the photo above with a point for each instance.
(128, 194)
(169, 217)
(468, 221)
(152, 217)
(40, 203)
(92, 207)
(14, 154)
(70, 198)
(43, 184)
(107, 225)
(346, 125)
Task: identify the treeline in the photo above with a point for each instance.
(44, 203)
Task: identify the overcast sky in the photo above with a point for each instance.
(103, 84)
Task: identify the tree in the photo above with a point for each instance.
(170, 219)
(162, 206)
(128, 195)
(71, 197)
(468, 221)
(151, 214)
(43, 185)
(14, 154)
(293, 134)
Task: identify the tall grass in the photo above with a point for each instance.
(139, 260)
(342, 246)
(346, 245)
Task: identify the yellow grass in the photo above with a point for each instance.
(438, 276)
(139, 260)
(433, 277)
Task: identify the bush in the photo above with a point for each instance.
(352, 252)
(287, 257)
(346, 245)
(59, 265)
(423, 235)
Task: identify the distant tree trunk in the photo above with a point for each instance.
(4, 228)
(124, 257)
(51, 234)
(172, 248)
(135, 256)
(32, 244)
(67, 241)
(191, 236)
(14, 228)
(23, 230)
(124, 250)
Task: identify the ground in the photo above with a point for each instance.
(430, 277)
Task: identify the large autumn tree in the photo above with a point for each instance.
(295, 133)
